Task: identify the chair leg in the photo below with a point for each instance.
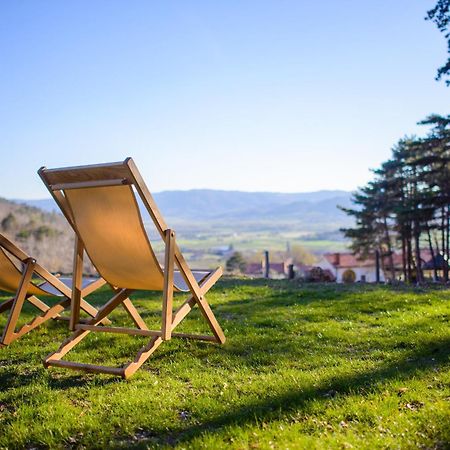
(134, 314)
(211, 319)
(78, 292)
(19, 299)
(205, 309)
(142, 356)
(77, 284)
(167, 308)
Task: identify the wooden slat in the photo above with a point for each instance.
(119, 330)
(108, 171)
(8, 332)
(38, 303)
(134, 314)
(146, 197)
(91, 287)
(54, 281)
(119, 371)
(61, 200)
(167, 308)
(199, 298)
(88, 184)
(211, 318)
(142, 356)
(77, 283)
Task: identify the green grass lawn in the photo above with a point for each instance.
(307, 366)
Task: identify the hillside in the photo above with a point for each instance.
(249, 222)
(306, 212)
(46, 236)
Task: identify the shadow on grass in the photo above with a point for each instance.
(428, 357)
(14, 378)
(82, 381)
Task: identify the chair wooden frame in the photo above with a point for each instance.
(16, 303)
(126, 173)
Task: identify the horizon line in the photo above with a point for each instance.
(211, 190)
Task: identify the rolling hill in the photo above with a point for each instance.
(204, 219)
(310, 211)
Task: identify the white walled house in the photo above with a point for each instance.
(347, 267)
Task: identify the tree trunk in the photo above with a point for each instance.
(446, 252)
(443, 241)
(436, 244)
(430, 244)
(419, 274)
(377, 265)
(389, 245)
(405, 274)
(409, 254)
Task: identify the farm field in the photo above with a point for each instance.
(304, 366)
(200, 248)
(262, 239)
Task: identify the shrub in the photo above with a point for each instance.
(236, 263)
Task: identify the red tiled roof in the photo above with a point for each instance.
(351, 260)
(257, 268)
(253, 269)
(277, 267)
(348, 260)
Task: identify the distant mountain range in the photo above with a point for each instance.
(311, 211)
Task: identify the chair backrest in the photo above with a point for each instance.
(10, 276)
(100, 204)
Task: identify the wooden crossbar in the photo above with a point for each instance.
(89, 184)
(119, 330)
(138, 332)
(119, 371)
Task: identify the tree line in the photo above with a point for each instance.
(406, 207)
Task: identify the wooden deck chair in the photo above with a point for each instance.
(17, 281)
(100, 203)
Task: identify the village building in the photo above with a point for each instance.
(349, 268)
(346, 267)
(276, 269)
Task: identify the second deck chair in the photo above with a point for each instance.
(99, 202)
(17, 281)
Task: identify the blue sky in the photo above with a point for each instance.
(278, 95)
